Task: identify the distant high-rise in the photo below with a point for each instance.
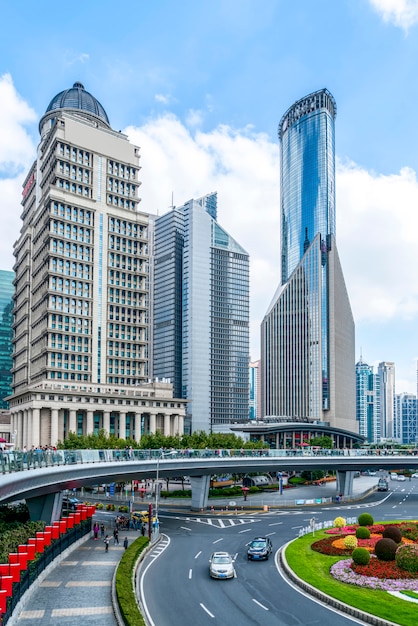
(368, 399)
(81, 298)
(405, 424)
(6, 335)
(386, 373)
(307, 335)
(255, 384)
(201, 314)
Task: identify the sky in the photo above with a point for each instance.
(201, 86)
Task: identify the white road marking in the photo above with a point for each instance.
(207, 610)
(247, 530)
(190, 574)
(259, 604)
(276, 524)
(218, 540)
(185, 528)
(198, 554)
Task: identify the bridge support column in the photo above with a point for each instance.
(345, 482)
(45, 508)
(200, 491)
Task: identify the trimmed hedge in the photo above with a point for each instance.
(125, 591)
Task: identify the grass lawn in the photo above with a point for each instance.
(313, 568)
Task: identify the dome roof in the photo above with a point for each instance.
(78, 98)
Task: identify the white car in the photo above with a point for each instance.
(401, 477)
(221, 565)
(415, 475)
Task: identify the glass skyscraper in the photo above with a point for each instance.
(307, 335)
(6, 335)
(201, 314)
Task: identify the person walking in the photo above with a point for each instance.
(96, 531)
(102, 530)
(115, 537)
(125, 542)
(106, 542)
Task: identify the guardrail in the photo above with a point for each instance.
(19, 460)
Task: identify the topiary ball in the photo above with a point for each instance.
(339, 522)
(385, 549)
(407, 557)
(350, 542)
(361, 556)
(362, 532)
(393, 532)
(365, 519)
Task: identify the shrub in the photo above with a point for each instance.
(339, 522)
(362, 532)
(392, 532)
(361, 556)
(125, 590)
(365, 519)
(385, 549)
(407, 558)
(350, 542)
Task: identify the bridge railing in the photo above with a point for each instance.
(19, 460)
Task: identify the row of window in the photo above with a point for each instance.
(120, 187)
(126, 263)
(64, 322)
(70, 268)
(83, 157)
(73, 214)
(75, 173)
(120, 331)
(120, 169)
(76, 233)
(70, 287)
(74, 188)
(69, 305)
(72, 250)
(124, 227)
(120, 202)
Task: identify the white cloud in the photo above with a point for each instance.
(402, 13)
(162, 99)
(16, 148)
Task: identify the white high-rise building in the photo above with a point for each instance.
(201, 314)
(386, 374)
(81, 302)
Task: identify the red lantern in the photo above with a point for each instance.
(14, 557)
(4, 569)
(15, 572)
(3, 600)
(55, 530)
(23, 560)
(63, 526)
(31, 549)
(6, 583)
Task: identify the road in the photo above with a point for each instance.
(174, 583)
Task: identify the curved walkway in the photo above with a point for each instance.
(78, 590)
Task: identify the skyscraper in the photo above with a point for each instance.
(81, 291)
(201, 314)
(406, 419)
(368, 399)
(307, 335)
(386, 373)
(6, 335)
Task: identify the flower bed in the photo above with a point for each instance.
(381, 576)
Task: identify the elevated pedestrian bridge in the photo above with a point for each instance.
(39, 477)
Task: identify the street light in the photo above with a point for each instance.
(161, 455)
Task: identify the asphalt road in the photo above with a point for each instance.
(174, 583)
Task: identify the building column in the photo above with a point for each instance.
(29, 438)
(54, 427)
(90, 423)
(181, 425)
(61, 426)
(106, 421)
(122, 425)
(138, 424)
(25, 428)
(19, 429)
(152, 423)
(36, 427)
(167, 424)
(72, 426)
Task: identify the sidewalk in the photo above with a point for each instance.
(78, 590)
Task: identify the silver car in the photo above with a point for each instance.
(221, 565)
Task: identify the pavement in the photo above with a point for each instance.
(77, 590)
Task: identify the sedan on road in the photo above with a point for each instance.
(259, 548)
(221, 565)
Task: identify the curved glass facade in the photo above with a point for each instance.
(307, 177)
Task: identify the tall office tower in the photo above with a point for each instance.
(307, 335)
(406, 419)
(6, 335)
(386, 373)
(255, 385)
(81, 287)
(201, 314)
(368, 402)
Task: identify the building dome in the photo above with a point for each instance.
(77, 98)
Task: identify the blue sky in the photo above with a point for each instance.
(200, 86)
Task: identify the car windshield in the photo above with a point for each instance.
(221, 560)
(258, 544)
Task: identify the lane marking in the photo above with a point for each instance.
(190, 573)
(218, 540)
(247, 530)
(276, 524)
(198, 554)
(261, 605)
(185, 528)
(207, 610)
